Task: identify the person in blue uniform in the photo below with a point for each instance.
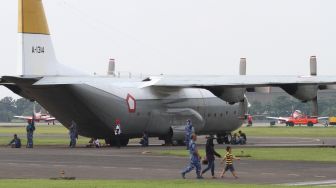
(195, 159)
(16, 142)
(188, 132)
(73, 133)
(30, 133)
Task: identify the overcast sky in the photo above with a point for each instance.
(183, 36)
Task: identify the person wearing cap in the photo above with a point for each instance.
(210, 156)
(188, 132)
(117, 133)
(195, 159)
(16, 142)
(30, 128)
(73, 132)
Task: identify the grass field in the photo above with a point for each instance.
(127, 184)
(44, 135)
(286, 154)
(58, 135)
(303, 131)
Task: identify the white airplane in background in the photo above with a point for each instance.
(158, 105)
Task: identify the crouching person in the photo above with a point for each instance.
(16, 142)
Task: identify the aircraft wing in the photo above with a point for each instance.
(242, 81)
(278, 118)
(50, 119)
(322, 118)
(24, 117)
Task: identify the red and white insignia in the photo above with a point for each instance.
(131, 103)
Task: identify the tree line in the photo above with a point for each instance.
(10, 107)
(285, 105)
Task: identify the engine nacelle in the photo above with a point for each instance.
(230, 95)
(177, 134)
(304, 92)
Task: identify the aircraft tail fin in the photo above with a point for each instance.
(37, 56)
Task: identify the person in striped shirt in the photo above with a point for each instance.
(229, 163)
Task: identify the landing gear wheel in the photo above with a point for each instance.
(226, 139)
(124, 141)
(310, 124)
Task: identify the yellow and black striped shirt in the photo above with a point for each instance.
(229, 158)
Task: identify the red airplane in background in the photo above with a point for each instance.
(38, 117)
(298, 118)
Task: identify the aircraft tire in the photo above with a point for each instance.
(310, 124)
(291, 124)
(124, 141)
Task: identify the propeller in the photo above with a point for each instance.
(314, 107)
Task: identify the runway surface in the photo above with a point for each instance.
(131, 163)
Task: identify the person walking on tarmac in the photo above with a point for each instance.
(229, 163)
(117, 133)
(188, 132)
(195, 159)
(30, 133)
(210, 156)
(73, 132)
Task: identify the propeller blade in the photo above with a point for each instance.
(315, 107)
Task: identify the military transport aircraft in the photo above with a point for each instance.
(158, 105)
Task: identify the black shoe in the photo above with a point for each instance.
(183, 175)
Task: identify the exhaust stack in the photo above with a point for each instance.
(313, 66)
(242, 66)
(111, 68)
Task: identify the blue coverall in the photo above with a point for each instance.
(194, 160)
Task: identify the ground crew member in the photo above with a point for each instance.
(16, 142)
(30, 133)
(144, 141)
(73, 133)
(249, 120)
(117, 133)
(195, 159)
(188, 132)
(229, 163)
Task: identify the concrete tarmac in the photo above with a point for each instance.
(132, 163)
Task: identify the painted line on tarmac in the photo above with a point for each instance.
(267, 173)
(296, 175)
(109, 167)
(59, 165)
(327, 182)
(320, 176)
(135, 168)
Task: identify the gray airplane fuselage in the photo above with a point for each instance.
(97, 102)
